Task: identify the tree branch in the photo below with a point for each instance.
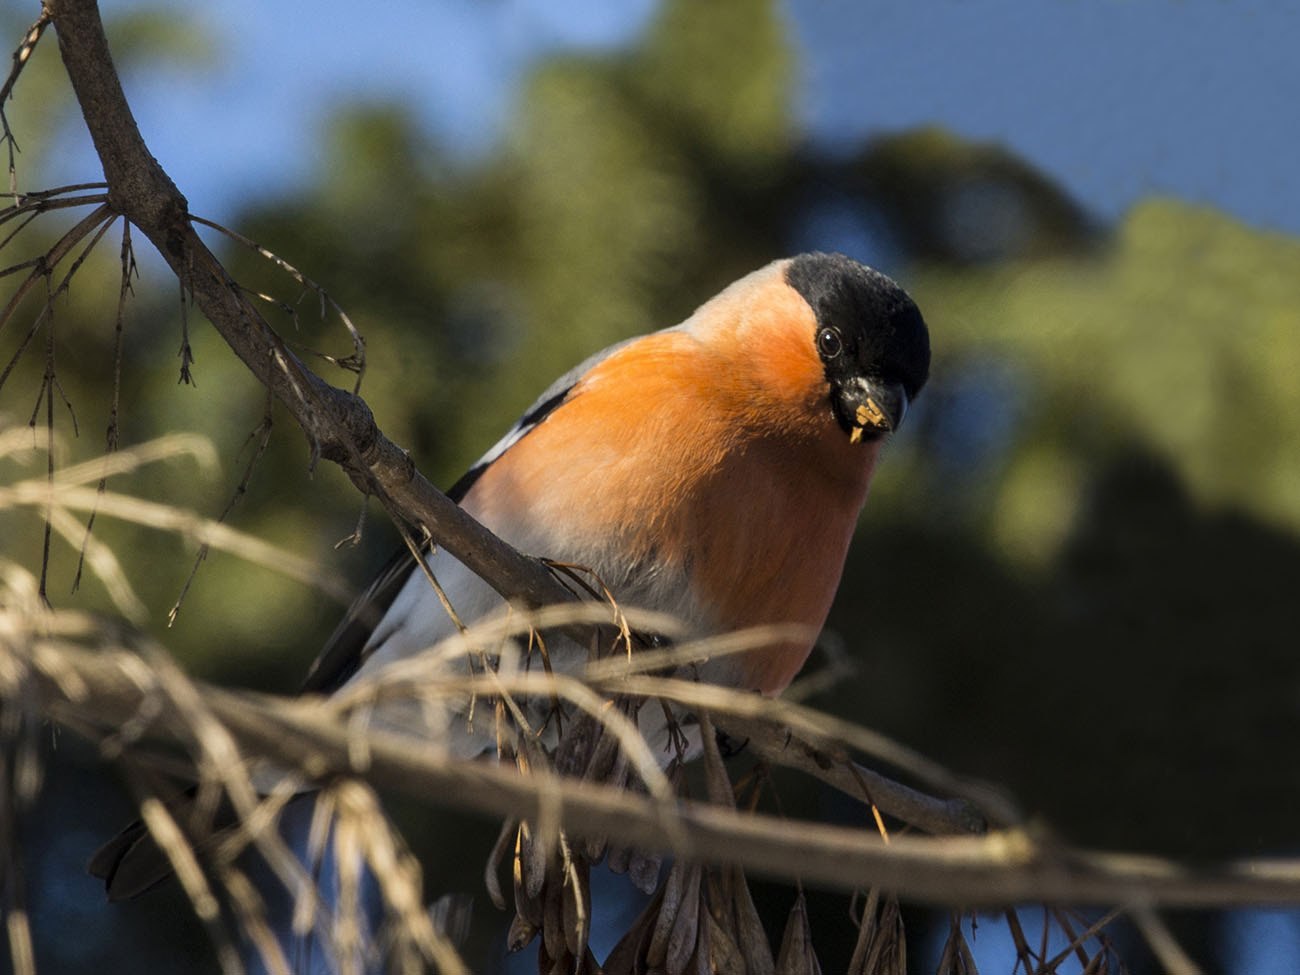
(780, 746)
(339, 425)
(104, 690)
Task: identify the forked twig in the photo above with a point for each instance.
(357, 361)
(42, 268)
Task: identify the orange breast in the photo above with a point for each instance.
(666, 462)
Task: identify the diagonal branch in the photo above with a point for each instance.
(339, 425)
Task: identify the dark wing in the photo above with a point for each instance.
(132, 863)
(341, 657)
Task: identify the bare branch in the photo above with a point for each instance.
(185, 523)
(97, 689)
(1173, 959)
(338, 425)
(780, 746)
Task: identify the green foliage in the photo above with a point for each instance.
(166, 37)
(722, 73)
(1182, 337)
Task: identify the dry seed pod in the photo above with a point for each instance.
(553, 916)
(749, 929)
(501, 724)
(967, 960)
(717, 897)
(699, 963)
(896, 958)
(886, 952)
(577, 906)
(628, 955)
(527, 905)
(593, 850)
(797, 956)
(669, 905)
(685, 932)
(573, 753)
(535, 856)
(612, 773)
(620, 858)
(546, 965)
(715, 773)
(956, 958)
(643, 869)
(866, 933)
(725, 957)
(583, 964)
(602, 756)
(521, 933)
(492, 870)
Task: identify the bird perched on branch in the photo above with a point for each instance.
(714, 471)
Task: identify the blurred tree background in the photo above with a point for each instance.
(1076, 576)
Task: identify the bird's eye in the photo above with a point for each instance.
(829, 343)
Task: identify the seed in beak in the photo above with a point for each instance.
(870, 414)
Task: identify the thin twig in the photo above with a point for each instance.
(128, 271)
(357, 361)
(192, 526)
(1164, 945)
(261, 436)
(34, 203)
(21, 56)
(42, 269)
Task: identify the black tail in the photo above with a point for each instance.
(130, 863)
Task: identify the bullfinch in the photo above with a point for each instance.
(713, 471)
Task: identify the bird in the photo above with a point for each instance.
(713, 471)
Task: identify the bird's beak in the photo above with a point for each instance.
(872, 408)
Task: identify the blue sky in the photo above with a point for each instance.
(1117, 99)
